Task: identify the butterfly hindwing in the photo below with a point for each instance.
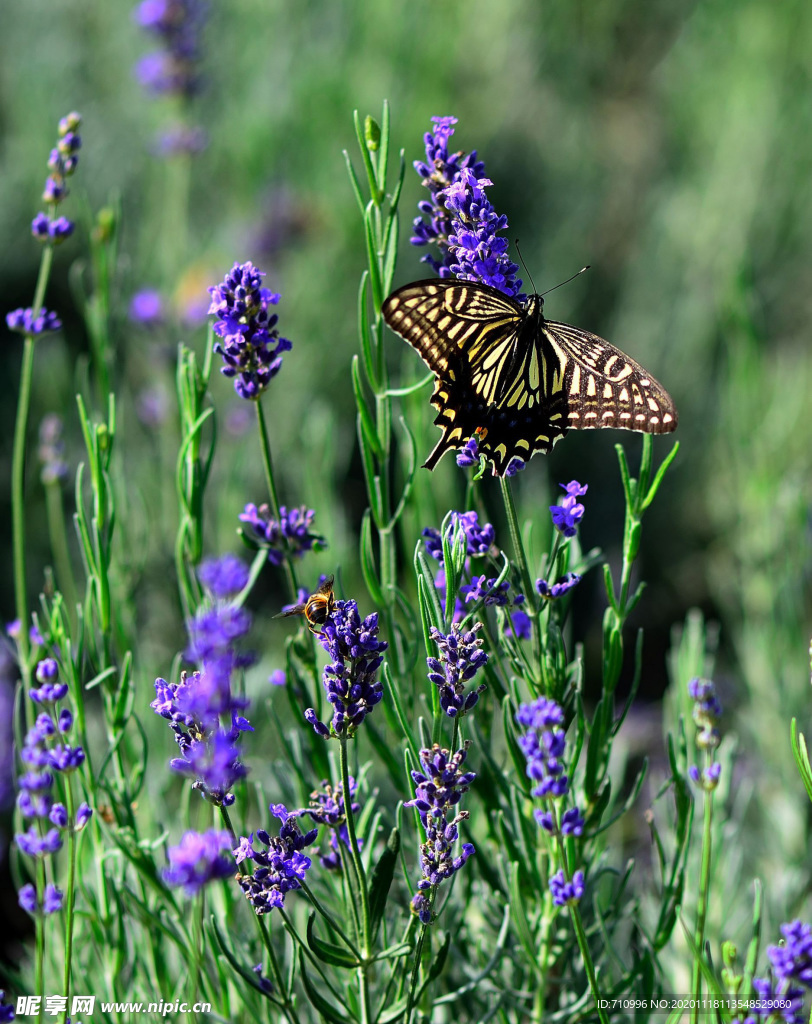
(514, 379)
(607, 388)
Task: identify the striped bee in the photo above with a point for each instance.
(317, 608)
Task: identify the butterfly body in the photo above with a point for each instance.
(513, 378)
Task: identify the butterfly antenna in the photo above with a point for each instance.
(565, 282)
(521, 258)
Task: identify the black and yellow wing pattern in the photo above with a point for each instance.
(514, 379)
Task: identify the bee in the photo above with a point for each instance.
(317, 608)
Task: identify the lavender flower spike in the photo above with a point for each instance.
(349, 679)
(439, 787)
(461, 657)
(198, 860)
(251, 347)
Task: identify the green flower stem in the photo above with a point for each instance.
(69, 895)
(18, 470)
(702, 899)
(290, 572)
(18, 507)
(59, 547)
(583, 945)
(39, 925)
(355, 856)
(418, 953)
(524, 569)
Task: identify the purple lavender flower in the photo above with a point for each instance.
(181, 138)
(439, 787)
(280, 868)
(203, 711)
(462, 221)
(7, 679)
(520, 625)
(479, 538)
(48, 228)
(543, 746)
(569, 513)
(23, 321)
(199, 859)
(706, 713)
(488, 591)
(291, 535)
(210, 753)
(551, 592)
(515, 466)
(6, 1009)
(792, 961)
(461, 657)
(708, 778)
(177, 24)
(44, 752)
(327, 808)
(349, 678)
(439, 172)
(147, 308)
(565, 892)
(27, 898)
(224, 576)
(468, 455)
(51, 450)
(251, 347)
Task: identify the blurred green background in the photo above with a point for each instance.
(667, 143)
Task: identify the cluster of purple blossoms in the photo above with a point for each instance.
(479, 539)
(199, 859)
(462, 221)
(172, 70)
(278, 868)
(46, 751)
(47, 227)
(790, 978)
(544, 745)
(439, 787)
(350, 677)
(327, 807)
(706, 714)
(490, 592)
(468, 456)
(147, 308)
(23, 321)
(51, 450)
(6, 1009)
(439, 172)
(570, 512)
(251, 347)
(223, 577)
(565, 892)
(461, 657)
(203, 711)
(552, 591)
(289, 536)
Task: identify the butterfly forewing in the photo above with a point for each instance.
(441, 318)
(515, 379)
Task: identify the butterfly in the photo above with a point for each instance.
(317, 608)
(514, 380)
